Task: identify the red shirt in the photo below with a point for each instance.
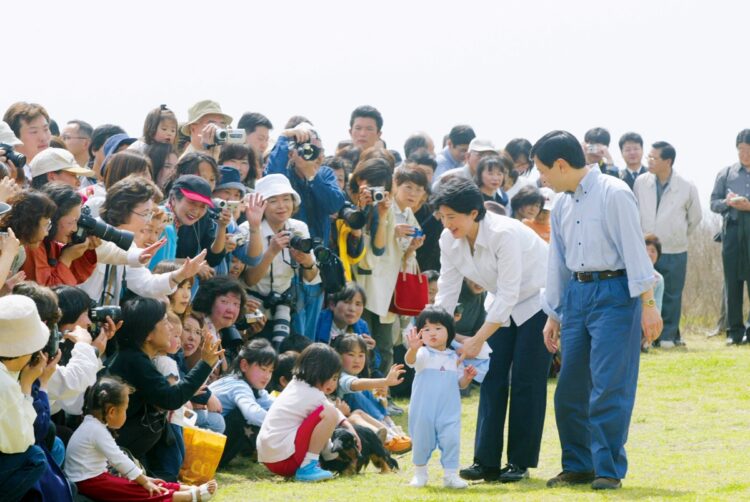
(38, 268)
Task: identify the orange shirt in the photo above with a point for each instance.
(542, 231)
(38, 268)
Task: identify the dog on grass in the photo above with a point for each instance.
(350, 461)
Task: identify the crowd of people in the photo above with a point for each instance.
(257, 286)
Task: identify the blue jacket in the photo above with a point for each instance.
(235, 393)
(321, 197)
(325, 322)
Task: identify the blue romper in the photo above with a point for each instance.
(435, 407)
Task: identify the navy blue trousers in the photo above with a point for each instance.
(19, 472)
(519, 365)
(601, 333)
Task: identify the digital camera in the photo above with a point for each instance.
(307, 151)
(378, 195)
(18, 159)
(230, 136)
(88, 225)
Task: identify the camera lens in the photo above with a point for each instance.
(301, 244)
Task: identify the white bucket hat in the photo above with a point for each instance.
(276, 184)
(22, 332)
(7, 136)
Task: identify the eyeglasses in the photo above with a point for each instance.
(146, 216)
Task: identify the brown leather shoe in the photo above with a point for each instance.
(606, 484)
(571, 478)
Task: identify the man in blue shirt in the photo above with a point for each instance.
(321, 196)
(454, 153)
(598, 267)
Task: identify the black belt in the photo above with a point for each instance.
(593, 276)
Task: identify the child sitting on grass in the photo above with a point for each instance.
(299, 425)
(92, 447)
(243, 396)
(357, 392)
(435, 406)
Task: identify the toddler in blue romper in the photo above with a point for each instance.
(435, 406)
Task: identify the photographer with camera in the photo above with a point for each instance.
(205, 119)
(129, 207)
(70, 250)
(10, 162)
(298, 155)
(287, 245)
(30, 124)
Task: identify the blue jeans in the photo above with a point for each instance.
(19, 472)
(165, 458)
(305, 320)
(674, 268)
(601, 335)
(210, 420)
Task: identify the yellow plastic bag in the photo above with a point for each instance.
(203, 449)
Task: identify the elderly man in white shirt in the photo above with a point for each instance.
(670, 208)
(509, 260)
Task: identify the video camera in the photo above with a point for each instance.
(230, 136)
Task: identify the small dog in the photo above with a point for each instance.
(350, 461)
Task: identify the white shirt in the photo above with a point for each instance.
(90, 448)
(70, 382)
(678, 214)
(17, 414)
(277, 434)
(509, 261)
(283, 273)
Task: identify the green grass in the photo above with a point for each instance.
(689, 440)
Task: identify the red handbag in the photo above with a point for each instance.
(410, 294)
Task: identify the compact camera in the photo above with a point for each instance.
(237, 239)
(307, 151)
(378, 195)
(230, 136)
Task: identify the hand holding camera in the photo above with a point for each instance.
(32, 371)
(280, 241)
(49, 369)
(404, 230)
(78, 335)
(72, 252)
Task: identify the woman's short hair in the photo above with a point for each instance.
(461, 195)
(236, 151)
(190, 164)
(123, 164)
(139, 318)
(44, 298)
(125, 195)
(347, 293)
(414, 175)
(215, 287)
(503, 163)
(653, 240)
(527, 196)
(376, 172)
(73, 302)
(65, 198)
(27, 209)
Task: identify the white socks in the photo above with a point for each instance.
(420, 476)
(310, 456)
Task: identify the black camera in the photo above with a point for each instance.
(307, 151)
(353, 217)
(53, 344)
(275, 299)
(331, 269)
(88, 225)
(18, 159)
(99, 314)
(301, 243)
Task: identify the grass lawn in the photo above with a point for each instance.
(689, 440)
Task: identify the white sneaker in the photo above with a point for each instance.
(453, 481)
(666, 344)
(418, 481)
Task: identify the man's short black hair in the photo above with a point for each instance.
(101, 134)
(251, 120)
(598, 136)
(423, 157)
(84, 127)
(559, 145)
(367, 111)
(630, 137)
(743, 137)
(459, 194)
(414, 142)
(519, 148)
(461, 135)
(666, 151)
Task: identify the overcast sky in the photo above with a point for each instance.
(670, 70)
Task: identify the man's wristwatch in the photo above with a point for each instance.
(649, 303)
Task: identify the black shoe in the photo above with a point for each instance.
(476, 472)
(571, 478)
(606, 484)
(512, 473)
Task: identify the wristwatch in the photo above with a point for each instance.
(649, 303)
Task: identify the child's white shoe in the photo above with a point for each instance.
(418, 481)
(453, 481)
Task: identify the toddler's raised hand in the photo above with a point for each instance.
(414, 339)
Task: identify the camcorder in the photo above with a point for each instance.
(88, 225)
(230, 136)
(353, 217)
(220, 204)
(18, 159)
(307, 151)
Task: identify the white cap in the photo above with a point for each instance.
(56, 159)
(481, 145)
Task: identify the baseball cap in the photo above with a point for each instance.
(194, 188)
(56, 159)
(481, 145)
